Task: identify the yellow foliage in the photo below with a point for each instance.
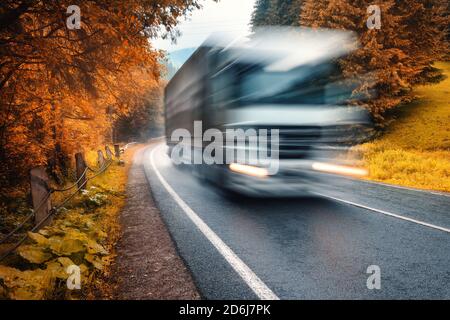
(94, 260)
(65, 246)
(81, 235)
(38, 238)
(26, 285)
(34, 254)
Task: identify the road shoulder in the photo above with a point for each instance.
(147, 264)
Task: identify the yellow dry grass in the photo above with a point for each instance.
(114, 180)
(415, 150)
(89, 220)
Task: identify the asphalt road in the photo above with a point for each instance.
(306, 248)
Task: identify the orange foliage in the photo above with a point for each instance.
(398, 55)
(61, 90)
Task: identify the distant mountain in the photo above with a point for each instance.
(178, 57)
(170, 69)
(174, 60)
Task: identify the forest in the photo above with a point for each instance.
(63, 90)
(66, 90)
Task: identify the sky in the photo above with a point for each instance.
(226, 15)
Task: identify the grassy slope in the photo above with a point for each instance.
(93, 214)
(415, 150)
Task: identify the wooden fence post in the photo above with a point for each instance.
(117, 151)
(108, 153)
(81, 167)
(101, 159)
(40, 194)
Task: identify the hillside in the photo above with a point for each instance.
(415, 150)
(178, 57)
(174, 60)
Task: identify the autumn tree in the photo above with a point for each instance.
(61, 90)
(311, 12)
(145, 120)
(398, 55)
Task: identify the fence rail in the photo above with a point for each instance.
(41, 193)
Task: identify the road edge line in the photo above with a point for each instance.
(247, 275)
(426, 224)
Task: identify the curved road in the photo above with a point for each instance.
(306, 248)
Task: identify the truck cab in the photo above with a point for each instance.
(281, 80)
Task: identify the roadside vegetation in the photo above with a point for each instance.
(84, 233)
(390, 61)
(63, 91)
(414, 150)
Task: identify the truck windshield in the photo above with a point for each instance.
(313, 84)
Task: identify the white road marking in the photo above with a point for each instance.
(249, 277)
(426, 224)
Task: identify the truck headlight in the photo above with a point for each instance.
(337, 169)
(249, 170)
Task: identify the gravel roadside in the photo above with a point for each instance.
(147, 265)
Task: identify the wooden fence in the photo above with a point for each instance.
(41, 192)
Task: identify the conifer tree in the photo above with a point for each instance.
(398, 55)
(260, 13)
(276, 12)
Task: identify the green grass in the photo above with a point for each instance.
(415, 149)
